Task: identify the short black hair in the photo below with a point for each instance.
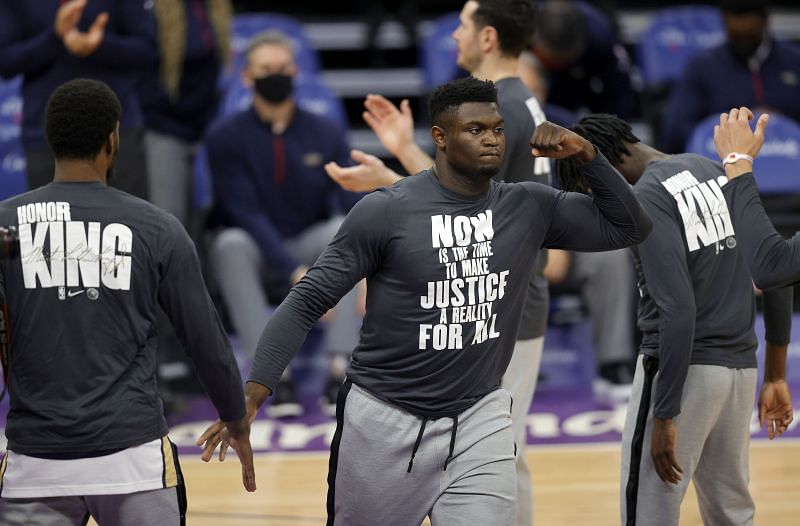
(448, 97)
(744, 7)
(80, 116)
(514, 21)
(561, 27)
(610, 134)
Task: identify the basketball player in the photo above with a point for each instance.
(86, 429)
(695, 379)
(423, 427)
(490, 37)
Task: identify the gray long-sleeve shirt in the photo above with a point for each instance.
(773, 260)
(95, 264)
(447, 276)
(697, 304)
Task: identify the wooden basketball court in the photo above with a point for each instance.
(572, 485)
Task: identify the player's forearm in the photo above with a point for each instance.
(413, 158)
(616, 201)
(775, 362)
(773, 261)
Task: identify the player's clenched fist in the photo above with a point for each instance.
(551, 140)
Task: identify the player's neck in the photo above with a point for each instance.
(495, 67)
(457, 182)
(642, 155)
(277, 115)
(79, 171)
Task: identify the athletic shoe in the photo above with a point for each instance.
(328, 399)
(613, 382)
(284, 401)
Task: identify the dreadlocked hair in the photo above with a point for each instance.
(610, 134)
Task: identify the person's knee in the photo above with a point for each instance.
(230, 241)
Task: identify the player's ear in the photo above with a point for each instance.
(439, 137)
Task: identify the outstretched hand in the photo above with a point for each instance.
(394, 127)
(236, 435)
(369, 174)
(84, 44)
(557, 142)
(733, 133)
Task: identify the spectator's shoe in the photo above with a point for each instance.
(284, 401)
(328, 399)
(613, 383)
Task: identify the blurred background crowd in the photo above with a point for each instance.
(232, 109)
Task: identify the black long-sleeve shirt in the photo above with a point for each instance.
(447, 277)
(95, 264)
(697, 304)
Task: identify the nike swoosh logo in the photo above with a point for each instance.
(74, 293)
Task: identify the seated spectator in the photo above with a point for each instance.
(533, 75)
(607, 283)
(279, 206)
(764, 71)
(49, 43)
(586, 66)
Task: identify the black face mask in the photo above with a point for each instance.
(274, 88)
(744, 49)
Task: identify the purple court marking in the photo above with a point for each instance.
(560, 413)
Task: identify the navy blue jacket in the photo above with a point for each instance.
(30, 47)
(716, 81)
(600, 79)
(275, 186)
(188, 116)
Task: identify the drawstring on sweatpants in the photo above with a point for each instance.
(416, 444)
(419, 441)
(452, 442)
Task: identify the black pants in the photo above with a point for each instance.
(130, 171)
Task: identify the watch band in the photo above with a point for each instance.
(733, 157)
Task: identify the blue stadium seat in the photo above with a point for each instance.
(438, 51)
(12, 155)
(247, 26)
(776, 165)
(673, 37)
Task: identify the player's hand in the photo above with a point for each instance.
(775, 410)
(68, 16)
(394, 127)
(84, 44)
(369, 174)
(733, 135)
(235, 434)
(662, 450)
(552, 140)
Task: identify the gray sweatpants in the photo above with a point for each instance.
(160, 507)
(520, 382)
(239, 270)
(608, 282)
(373, 481)
(712, 448)
(170, 162)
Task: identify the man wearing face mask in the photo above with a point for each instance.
(278, 206)
(751, 69)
